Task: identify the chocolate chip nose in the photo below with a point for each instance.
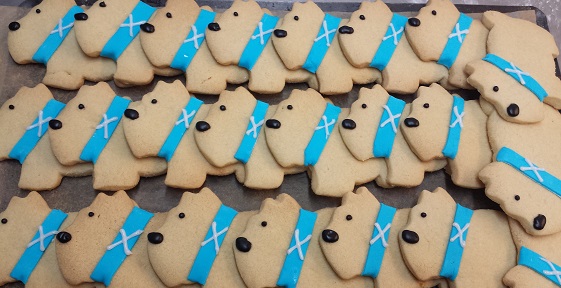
(410, 237)
(202, 126)
(147, 27)
(63, 237)
(243, 245)
(329, 236)
(411, 122)
(13, 26)
(539, 222)
(513, 110)
(273, 123)
(414, 22)
(346, 30)
(81, 16)
(348, 124)
(55, 124)
(213, 26)
(155, 238)
(280, 33)
(131, 114)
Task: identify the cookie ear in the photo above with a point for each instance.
(491, 18)
(36, 200)
(286, 201)
(443, 194)
(121, 195)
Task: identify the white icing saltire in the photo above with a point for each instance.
(459, 118)
(254, 127)
(326, 125)
(395, 34)
(104, 124)
(195, 37)
(261, 33)
(460, 233)
(60, 28)
(186, 118)
(391, 119)
(214, 237)
(326, 33)
(458, 33)
(553, 272)
(131, 24)
(532, 167)
(41, 239)
(381, 234)
(298, 244)
(39, 124)
(124, 241)
(519, 73)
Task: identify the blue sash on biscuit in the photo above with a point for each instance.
(455, 41)
(258, 40)
(540, 265)
(378, 243)
(387, 128)
(455, 128)
(389, 42)
(321, 135)
(252, 133)
(322, 42)
(193, 42)
(458, 237)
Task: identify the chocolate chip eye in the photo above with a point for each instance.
(181, 215)
(289, 107)
(426, 105)
(81, 106)
(423, 214)
(496, 88)
(364, 106)
(236, 14)
(222, 108)
(102, 4)
(91, 214)
(38, 11)
(516, 197)
(154, 101)
(349, 217)
(12, 107)
(362, 17)
(296, 18)
(434, 12)
(168, 15)
(264, 223)
(4, 221)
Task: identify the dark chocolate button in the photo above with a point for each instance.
(63, 237)
(329, 236)
(539, 222)
(147, 27)
(346, 30)
(280, 33)
(155, 238)
(513, 110)
(213, 26)
(131, 114)
(81, 16)
(243, 245)
(102, 4)
(202, 126)
(414, 22)
(273, 123)
(13, 26)
(55, 124)
(348, 124)
(410, 237)
(411, 122)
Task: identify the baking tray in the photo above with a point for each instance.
(151, 193)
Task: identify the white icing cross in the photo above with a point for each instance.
(458, 33)
(195, 37)
(104, 125)
(132, 24)
(214, 237)
(459, 118)
(326, 125)
(381, 234)
(325, 34)
(60, 29)
(532, 167)
(553, 271)
(39, 124)
(391, 119)
(261, 33)
(254, 127)
(185, 118)
(41, 239)
(394, 34)
(125, 241)
(518, 73)
(460, 234)
(298, 244)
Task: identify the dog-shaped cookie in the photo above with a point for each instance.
(175, 37)
(89, 129)
(157, 126)
(302, 132)
(362, 240)
(241, 36)
(178, 248)
(372, 130)
(107, 242)
(45, 35)
(307, 39)
(231, 134)
(444, 126)
(374, 37)
(109, 29)
(24, 120)
(440, 33)
(27, 228)
(280, 247)
(470, 248)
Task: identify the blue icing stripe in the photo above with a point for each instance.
(252, 133)
(56, 37)
(458, 238)
(389, 42)
(540, 265)
(127, 31)
(258, 41)
(321, 134)
(524, 78)
(530, 170)
(378, 243)
(38, 245)
(193, 42)
(297, 250)
(455, 128)
(455, 41)
(121, 247)
(387, 129)
(181, 126)
(105, 129)
(322, 42)
(35, 131)
(211, 245)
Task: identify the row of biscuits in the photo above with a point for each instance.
(207, 46)
(361, 243)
